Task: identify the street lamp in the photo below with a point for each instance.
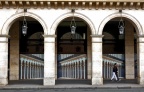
(73, 24)
(24, 26)
(121, 25)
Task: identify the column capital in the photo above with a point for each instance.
(4, 38)
(7, 36)
(51, 36)
(97, 36)
(140, 38)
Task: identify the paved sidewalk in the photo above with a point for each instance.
(65, 86)
(85, 84)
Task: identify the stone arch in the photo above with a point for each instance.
(135, 22)
(11, 20)
(62, 17)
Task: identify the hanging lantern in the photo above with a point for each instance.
(24, 26)
(121, 30)
(73, 28)
(73, 24)
(121, 25)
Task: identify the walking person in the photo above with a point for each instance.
(117, 72)
(114, 75)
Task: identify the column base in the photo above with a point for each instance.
(49, 81)
(140, 81)
(97, 81)
(3, 81)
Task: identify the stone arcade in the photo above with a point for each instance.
(49, 14)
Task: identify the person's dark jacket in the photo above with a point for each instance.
(115, 69)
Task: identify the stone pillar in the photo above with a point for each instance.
(14, 51)
(30, 70)
(3, 59)
(34, 70)
(107, 68)
(97, 60)
(40, 71)
(84, 69)
(65, 71)
(61, 70)
(81, 71)
(21, 71)
(68, 70)
(49, 60)
(89, 55)
(104, 69)
(78, 70)
(27, 70)
(75, 70)
(140, 63)
(24, 69)
(129, 50)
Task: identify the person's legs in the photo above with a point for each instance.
(115, 76)
(112, 76)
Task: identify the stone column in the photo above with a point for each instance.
(104, 69)
(65, 70)
(21, 69)
(61, 70)
(107, 69)
(78, 70)
(3, 59)
(34, 70)
(120, 70)
(140, 67)
(75, 70)
(14, 51)
(27, 70)
(84, 69)
(24, 69)
(97, 60)
(30, 70)
(49, 60)
(81, 72)
(89, 55)
(129, 50)
(39, 71)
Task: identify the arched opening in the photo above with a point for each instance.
(120, 49)
(26, 52)
(73, 52)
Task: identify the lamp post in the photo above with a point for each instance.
(73, 24)
(121, 25)
(24, 26)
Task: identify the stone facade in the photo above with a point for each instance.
(51, 16)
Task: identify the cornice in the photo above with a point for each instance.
(77, 4)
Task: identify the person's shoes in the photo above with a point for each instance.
(118, 80)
